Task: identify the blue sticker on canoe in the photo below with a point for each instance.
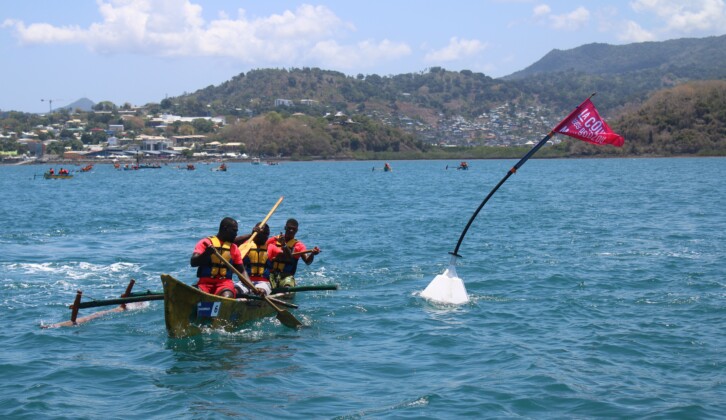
(208, 309)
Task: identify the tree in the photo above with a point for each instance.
(134, 123)
(105, 106)
(203, 125)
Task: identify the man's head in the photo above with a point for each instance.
(290, 229)
(227, 229)
(262, 236)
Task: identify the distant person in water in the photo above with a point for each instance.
(283, 253)
(214, 276)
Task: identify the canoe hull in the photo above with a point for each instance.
(188, 310)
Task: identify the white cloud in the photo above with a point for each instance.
(571, 21)
(362, 55)
(542, 10)
(456, 50)
(574, 20)
(177, 28)
(632, 32)
(685, 17)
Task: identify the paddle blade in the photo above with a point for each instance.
(287, 319)
(446, 288)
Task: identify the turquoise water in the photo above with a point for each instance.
(598, 290)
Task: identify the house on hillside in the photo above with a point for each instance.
(188, 140)
(155, 143)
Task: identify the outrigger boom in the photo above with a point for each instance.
(134, 297)
(77, 304)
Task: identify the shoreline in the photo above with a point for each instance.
(164, 162)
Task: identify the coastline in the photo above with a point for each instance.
(165, 162)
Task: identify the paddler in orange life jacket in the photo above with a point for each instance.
(256, 259)
(281, 256)
(214, 276)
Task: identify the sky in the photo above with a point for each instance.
(140, 51)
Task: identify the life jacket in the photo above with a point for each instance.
(256, 262)
(285, 267)
(217, 268)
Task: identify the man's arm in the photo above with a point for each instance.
(202, 254)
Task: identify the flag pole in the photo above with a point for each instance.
(512, 171)
(447, 287)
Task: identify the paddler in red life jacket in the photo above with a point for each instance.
(256, 259)
(281, 252)
(214, 276)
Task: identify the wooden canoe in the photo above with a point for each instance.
(187, 309)
(49, 176)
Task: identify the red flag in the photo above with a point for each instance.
(585, 123)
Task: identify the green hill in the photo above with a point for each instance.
(689, 119)
(689, 58)
(312, 112)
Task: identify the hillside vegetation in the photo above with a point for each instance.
(689, 119)
(666, 98)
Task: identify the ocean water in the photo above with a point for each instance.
(598, 290)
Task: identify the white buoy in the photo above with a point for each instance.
(447, 287)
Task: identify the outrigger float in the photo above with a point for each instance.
(188, 310)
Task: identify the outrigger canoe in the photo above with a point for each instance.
(187, 309)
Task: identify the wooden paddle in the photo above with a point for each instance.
(245, 248)
(295, 254)
(284, 316)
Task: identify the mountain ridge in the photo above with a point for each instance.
(708, 53)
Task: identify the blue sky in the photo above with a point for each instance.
(141, 51)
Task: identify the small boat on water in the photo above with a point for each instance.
(57, 176)
(387, 168)
(87, 168)
(220, 168)
(463, 166)
(255, 161)
(187, 309)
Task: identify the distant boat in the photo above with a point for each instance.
(57, 176)
(255, 161)
(387, 168)
(463, 165)
(220, 168)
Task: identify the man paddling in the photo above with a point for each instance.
(256, 259)
(283, 252)
(214, 277)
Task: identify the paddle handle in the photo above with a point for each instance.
(295, 254)
(245, 248)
